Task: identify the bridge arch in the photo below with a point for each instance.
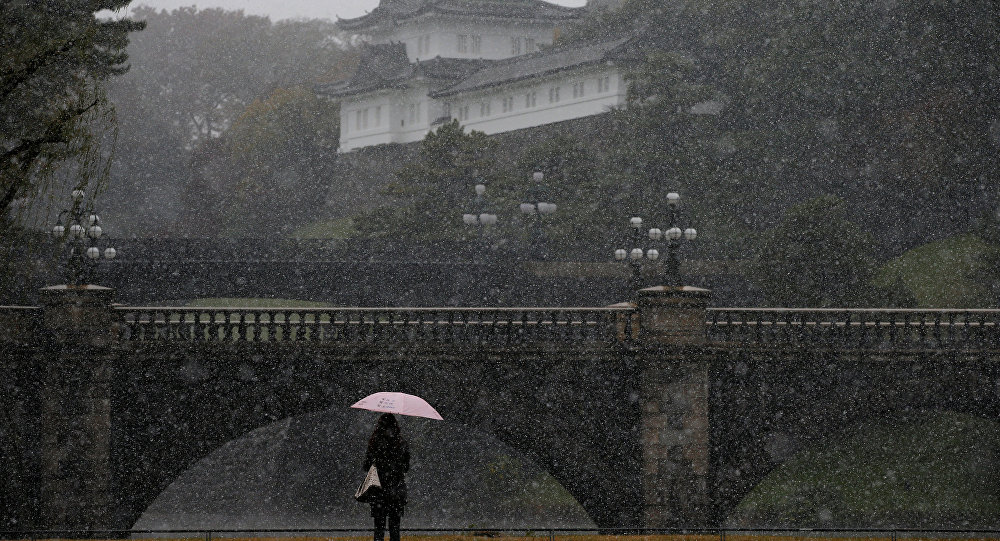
(301, 472)
(771, 407)
(565, 413)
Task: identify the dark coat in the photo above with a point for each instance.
(392, 460)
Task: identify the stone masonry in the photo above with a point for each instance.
(674, 392)
(76, 409)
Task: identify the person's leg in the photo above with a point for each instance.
(394, 525)
(379, 517)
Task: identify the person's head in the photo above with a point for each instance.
(386, 427)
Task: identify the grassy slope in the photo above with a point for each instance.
(937, 468)
(327, 229)
(938, 273)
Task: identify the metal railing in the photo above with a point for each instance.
(702, 534)
(862, 328)
(499, 326)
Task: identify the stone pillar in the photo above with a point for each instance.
(674, 393)
(76, 491)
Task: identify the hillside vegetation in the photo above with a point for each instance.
(925, 470)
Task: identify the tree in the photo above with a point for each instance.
(882, 104)
(277, 159)
(879, 103)
(53, 58)
(816, 258)
(430, 192)
(572, 181)
(196, 73)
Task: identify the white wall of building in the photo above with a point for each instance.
(454, 38)
(542, 101)
(393, 116)
(366, 120)
(405, 116)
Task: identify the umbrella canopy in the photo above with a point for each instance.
(401, 403)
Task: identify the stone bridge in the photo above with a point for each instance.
(655, 413)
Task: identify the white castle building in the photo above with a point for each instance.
(487, 63)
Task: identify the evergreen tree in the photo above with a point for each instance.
(53, 58)
(431, 192)
(816, 258)
(584, 216)
(279, 155)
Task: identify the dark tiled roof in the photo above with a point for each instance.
(537, 64)
(387, 66)
(396, 11)
(449, 69)
(521, 9)
(379, 66)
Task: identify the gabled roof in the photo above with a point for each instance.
(387, 66)
(393, 12)
(538, 64)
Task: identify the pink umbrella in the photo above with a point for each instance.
(401, 403)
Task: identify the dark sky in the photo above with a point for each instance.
(284, 9)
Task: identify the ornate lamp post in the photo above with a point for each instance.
(537, 205)
(673, 235)
(480, 215)
(634, 257)
(639, 252)
(81, 232)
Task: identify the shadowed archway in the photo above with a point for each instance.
(575, 418)
(302, 472)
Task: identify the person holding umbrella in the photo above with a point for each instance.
(390, 454)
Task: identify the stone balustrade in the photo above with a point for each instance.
(857, 328)
(495, 326)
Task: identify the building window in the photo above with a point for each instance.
(508, 104)
(463, 43)
(484, 108)
(477, 44)
(603, 84)
(357, 119)
(578, 89)
(554, 94)
(463, 113)
(515, 46)
(529, 99)
(412, 115)
(364, 118)
(529, 45)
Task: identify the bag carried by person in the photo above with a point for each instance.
(370, 488)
